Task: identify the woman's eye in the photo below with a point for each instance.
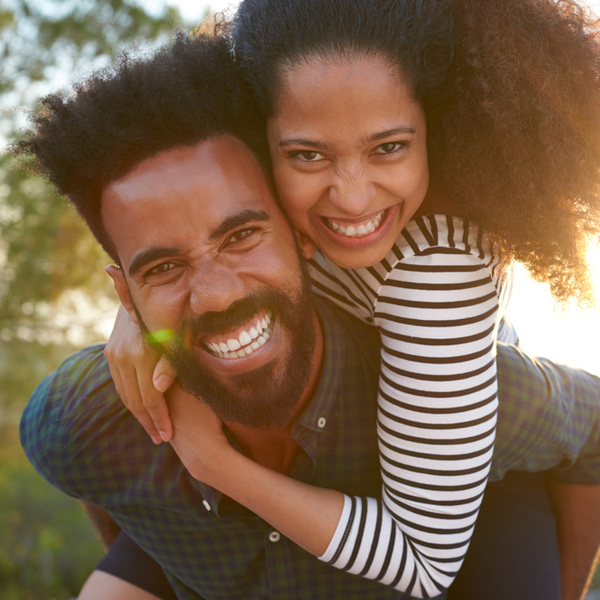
(389, 148)
(307, 155)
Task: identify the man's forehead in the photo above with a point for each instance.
(197, 186)
(223, 161)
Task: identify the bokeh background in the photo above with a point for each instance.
(56, 298)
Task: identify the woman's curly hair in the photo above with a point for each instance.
(511, 92)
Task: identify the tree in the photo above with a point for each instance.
(49, 263)
(51, 275)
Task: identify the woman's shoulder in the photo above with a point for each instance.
(442, 236)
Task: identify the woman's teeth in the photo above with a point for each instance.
(356, 230)
(248, 341)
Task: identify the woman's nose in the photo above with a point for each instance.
(352, 193)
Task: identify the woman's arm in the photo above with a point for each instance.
(304, 513)
(437, 412)
(436, 308)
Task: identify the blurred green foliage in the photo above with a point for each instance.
(52, 282)
(45, 250)
(47, 545)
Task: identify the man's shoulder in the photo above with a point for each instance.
(79, 383)
(70, 414)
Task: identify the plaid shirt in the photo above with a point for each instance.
(81, 438)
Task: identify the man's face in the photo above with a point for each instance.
(212, 266)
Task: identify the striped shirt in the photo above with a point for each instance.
(435, 303)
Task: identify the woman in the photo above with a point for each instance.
(506, 95)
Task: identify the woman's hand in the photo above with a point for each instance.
(134, 367)
(307, 515)
(198, 436)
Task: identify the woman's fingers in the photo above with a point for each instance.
(164, 375)
(155, 406)
(134, 401)
(125, 378)
(132, 365)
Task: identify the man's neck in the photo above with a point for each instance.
(276, 449)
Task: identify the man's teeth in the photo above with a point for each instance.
(357, 231)
(247, 342)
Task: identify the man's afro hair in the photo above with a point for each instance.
(188, 91)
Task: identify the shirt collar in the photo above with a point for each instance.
(332, 371)
(314, 417)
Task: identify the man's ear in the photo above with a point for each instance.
(116, 274)
(307, 245)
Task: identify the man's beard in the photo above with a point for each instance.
(265, 397)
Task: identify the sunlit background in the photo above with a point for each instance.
(55, 298)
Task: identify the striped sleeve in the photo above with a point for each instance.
(435, 304)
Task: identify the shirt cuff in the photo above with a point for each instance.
(340, 531)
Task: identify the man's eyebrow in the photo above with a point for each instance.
(147, 256)
(241, 218)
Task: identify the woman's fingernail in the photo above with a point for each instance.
(164, 436)
(156, 439)
(162, 383)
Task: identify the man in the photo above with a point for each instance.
(163, 159)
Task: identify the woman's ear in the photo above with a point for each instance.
(307, 245)
(116, 274)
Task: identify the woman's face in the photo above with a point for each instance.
(349, 153)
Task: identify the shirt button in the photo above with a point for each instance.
(322, 422)
(274, 536)
(206, 504)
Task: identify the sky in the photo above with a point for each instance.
(570, 336)
(193, 10)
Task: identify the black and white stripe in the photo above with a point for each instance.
(435, 303)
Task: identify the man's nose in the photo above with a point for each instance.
(214, 287)
(352, 192)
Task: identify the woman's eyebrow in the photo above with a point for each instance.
(402, 130)
(302, 142)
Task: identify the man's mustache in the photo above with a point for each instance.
(238, 313)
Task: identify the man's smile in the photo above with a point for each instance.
(244, 340)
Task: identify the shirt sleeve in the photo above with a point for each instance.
(548, 419)
(44, 426)
(75, 428)
(436, 310)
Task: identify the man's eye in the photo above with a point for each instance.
(389, 148)
(241, 235)
(160, 269)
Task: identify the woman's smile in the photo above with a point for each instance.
(360, 232)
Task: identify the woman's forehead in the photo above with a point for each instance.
(363, 95)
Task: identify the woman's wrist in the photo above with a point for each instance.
(216, 468)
